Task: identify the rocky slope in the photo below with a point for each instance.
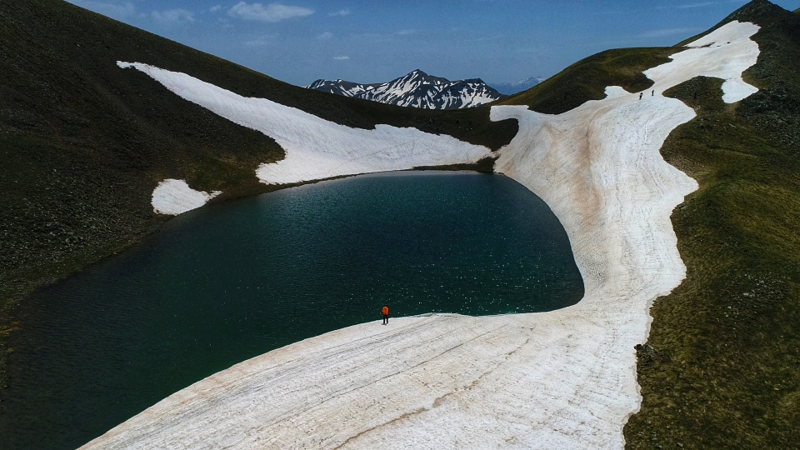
(417, 90)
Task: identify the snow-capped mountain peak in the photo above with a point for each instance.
(416, 89)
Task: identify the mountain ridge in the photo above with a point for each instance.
(515, 87)
(723, 345)
(415, 89)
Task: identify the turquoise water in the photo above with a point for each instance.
(231, 281)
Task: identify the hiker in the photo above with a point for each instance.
(640, 95)
(385, 311)
(653, 93)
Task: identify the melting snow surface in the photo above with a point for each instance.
(176, 197)
(721, 54)
(562, 379)
(316, 148)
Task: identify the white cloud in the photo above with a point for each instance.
(325, 36)
(274, 12)
(690, 5)
(668, 32)
(406, 32)
(226, 24)
(173, 16)
(341, 12)
(341, 58)
(697, 5)
(215, 8)
(263, 41)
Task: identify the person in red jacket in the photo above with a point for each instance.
(385, 311)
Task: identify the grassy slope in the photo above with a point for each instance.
(722, 369)
(83, 143)
(587, 79)
(722, 365)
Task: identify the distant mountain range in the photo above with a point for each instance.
(516, 86)
(417, 89)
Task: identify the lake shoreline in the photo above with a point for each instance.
(15, 297)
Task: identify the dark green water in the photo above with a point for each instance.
(232, 281)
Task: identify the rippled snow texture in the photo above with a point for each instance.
(562, 379)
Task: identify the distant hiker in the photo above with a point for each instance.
(653, 93)
(385, 311)
(640, 95)
(695, 95)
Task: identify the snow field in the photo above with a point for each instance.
(562, 379)
(316, 148)
(724, 53)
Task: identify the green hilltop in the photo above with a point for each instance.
(588, 78)
(720, 368)
(84, 144)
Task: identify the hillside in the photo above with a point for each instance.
(563, 379)
(416, 89)
(84, 143)
(587, 79)
(720, 366)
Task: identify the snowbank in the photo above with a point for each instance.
(725, 53)
(316, 148)
(563, 379)
(176, 197)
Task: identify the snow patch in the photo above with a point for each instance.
(729, 44)
(175, 197)
(563, 379)
(316, 148)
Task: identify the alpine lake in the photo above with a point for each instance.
(233, 280)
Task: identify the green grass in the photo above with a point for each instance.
(722, 366)
(587, 79)
(727, 341)
(725, 365)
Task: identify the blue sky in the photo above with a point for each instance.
(299, 41)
